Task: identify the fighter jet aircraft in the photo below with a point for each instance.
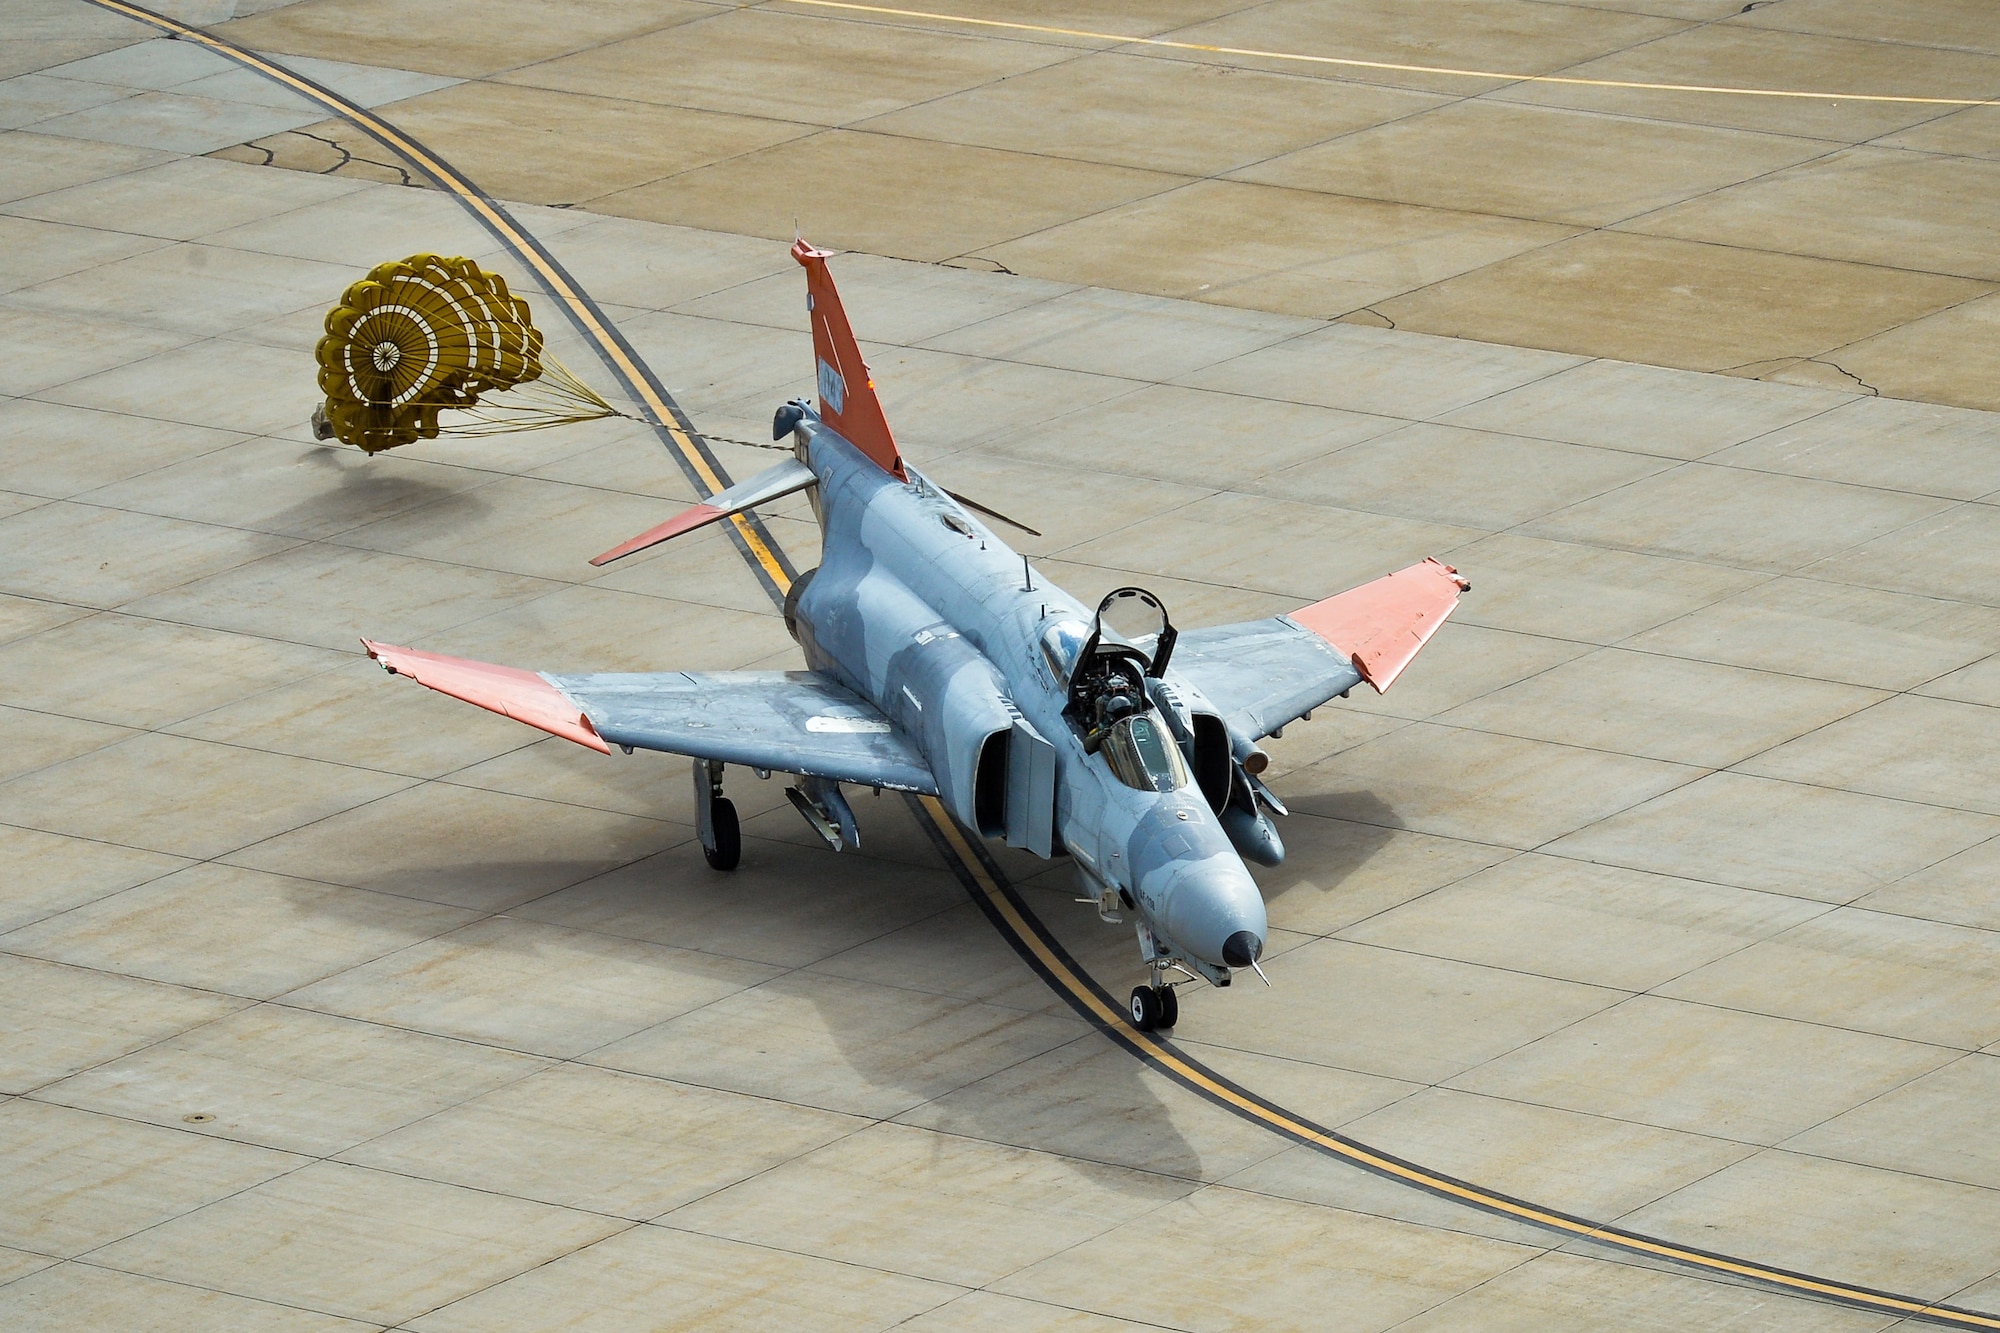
(940, 662)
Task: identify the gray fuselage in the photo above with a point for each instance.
(925, 612)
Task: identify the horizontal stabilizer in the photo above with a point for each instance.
(789, 476)
(1380, 626)
(508, 691)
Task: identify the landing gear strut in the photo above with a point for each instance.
(715, 817)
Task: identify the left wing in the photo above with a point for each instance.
(1261, 674)
(790, 721)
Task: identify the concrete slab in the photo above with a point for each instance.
(1661, 708)
(1956, 889)
(70, 1175)
(138, 791)
(864, 1199)
(1922, 1128)
(176, 122)
(1469, 1014)
(71, 1018)
(1916, 447)
(1756, 1079)
(1805, 627)
(1574, 174)
(318, 1238)
(1852, 969)
(1695, 305)
(1588, 1164)
(1941, 358)
(1647, 409)
(1265, 1245)
(1780, 837)
(39, 163)
(292, 1079)
(1758, 1195)
(591, 1126)
(39, 252)
(1294, 252)
(1510, 792)
(1868, 205)
(54, 1299)
(1753, 520)
(771, 63)
(180, 199)
(1109, 106)
(1597, 924)
(238, 932)
(428, 41)
(54, 873)
(623, 1282)
(1903, 748)
(849, 1046)
(753, 193)
(1572, 1292)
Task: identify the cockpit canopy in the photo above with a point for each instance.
(1106, 673)
(1062, 644)
(1143, 756)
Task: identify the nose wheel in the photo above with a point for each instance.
(1154, 1007)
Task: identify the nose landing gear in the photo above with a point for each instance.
(1154, 1007)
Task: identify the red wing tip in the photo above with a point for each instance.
(805, 251)
(687, 520)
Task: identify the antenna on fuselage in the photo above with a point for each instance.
(1027, 576)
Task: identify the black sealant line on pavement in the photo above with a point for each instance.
(1003, 906)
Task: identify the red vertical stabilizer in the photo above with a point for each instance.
(847, 399)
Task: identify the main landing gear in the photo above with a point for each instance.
(1154, 1007)
(715, 817)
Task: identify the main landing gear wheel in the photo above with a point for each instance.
(728, 849)
(1154, 1007)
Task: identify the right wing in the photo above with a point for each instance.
(1261, 674)
(788, 721)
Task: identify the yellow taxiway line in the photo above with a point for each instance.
(1002, 905)
(1347, 62)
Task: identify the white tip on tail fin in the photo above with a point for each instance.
(847, 399)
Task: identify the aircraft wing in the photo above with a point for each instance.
(1261, 674)
(788, 721)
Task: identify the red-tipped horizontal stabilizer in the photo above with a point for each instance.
(1380, 626)
(847, 399)
(770, 484)
(508, 691)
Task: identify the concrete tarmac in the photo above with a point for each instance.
(1659, 890)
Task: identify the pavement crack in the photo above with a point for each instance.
(347, 158)
(1822, 361)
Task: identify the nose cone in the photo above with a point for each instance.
(1212, 909)
(1242, 948)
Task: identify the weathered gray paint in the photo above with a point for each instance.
(923, 633)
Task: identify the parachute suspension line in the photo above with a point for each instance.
(426, 335)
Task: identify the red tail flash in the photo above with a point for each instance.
(847, 399)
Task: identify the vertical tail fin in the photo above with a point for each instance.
(847, 399)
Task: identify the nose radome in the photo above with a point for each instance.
(1212, 909)
(1242, 949)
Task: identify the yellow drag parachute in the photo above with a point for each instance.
(426, 335)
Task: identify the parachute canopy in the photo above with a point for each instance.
(425, 335)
